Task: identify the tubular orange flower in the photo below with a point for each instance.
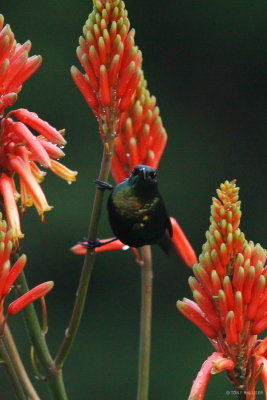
(32, 295)
(230, 292)
(8, 274)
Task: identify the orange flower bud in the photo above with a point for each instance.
(27, 298)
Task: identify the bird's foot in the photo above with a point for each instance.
(103, 185)
(92, 244)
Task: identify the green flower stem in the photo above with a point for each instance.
(53, 375)
(145, 323)
(77, 312)
(18, 365)
(12, 372)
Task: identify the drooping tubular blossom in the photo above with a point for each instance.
(15, 65)
(9, 274)
(20, 148)
(110, 60)
(230, 297)
(20, 151)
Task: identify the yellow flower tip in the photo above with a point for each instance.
(63, 172)
(63, 132)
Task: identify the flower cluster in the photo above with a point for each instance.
(9, 274)
(21, 149)
(230, 293)
(141, 136)
(15, 65)
(111, 62)
(114, 87)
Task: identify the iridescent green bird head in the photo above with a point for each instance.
(144, 178)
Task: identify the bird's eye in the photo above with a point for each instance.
(135, 171)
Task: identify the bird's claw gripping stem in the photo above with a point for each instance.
(92, 244)
(103, 185)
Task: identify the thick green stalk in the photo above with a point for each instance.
(53, 375)
(145, 323)
(77, 312)
(18, 365)
(12, 372)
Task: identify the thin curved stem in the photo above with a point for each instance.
(12, 372)
(145, 323)
(77, 312)
(53, 375)
(18, 365)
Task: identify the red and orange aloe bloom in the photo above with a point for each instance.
(230, 293)
(9, 274)
(15, 65)
(114, 87)
(20, 149)
(111, 62)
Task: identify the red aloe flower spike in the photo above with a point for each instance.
(27, 298)
(141, 136)
(110, 59)
(210, 366)
(15, 66)
(229, 285)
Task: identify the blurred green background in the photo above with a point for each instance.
(206, 62)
